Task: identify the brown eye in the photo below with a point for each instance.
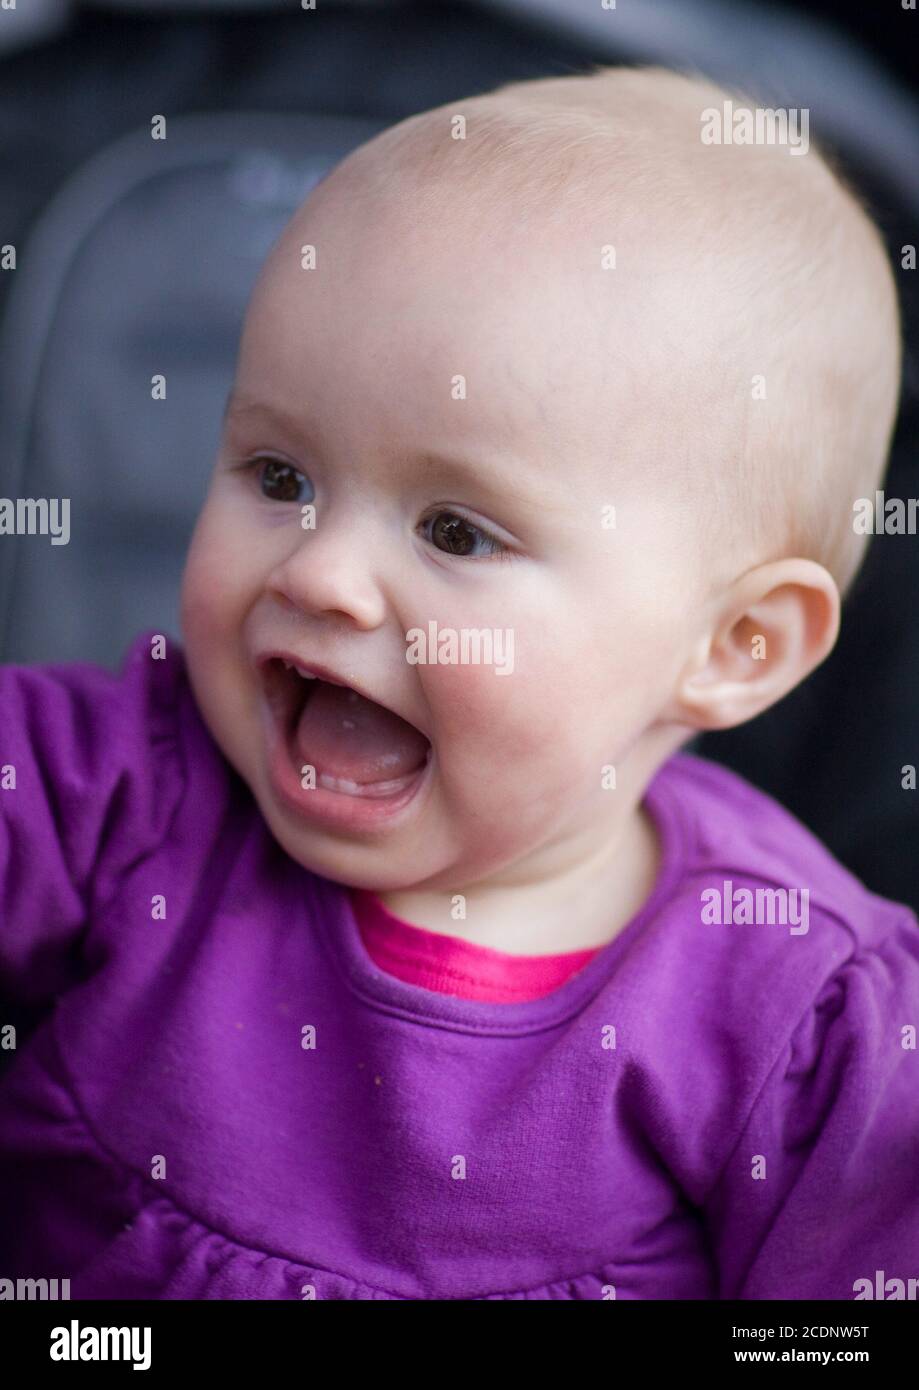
(282, 483)
(453, 534)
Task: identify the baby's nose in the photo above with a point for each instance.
(329, 573)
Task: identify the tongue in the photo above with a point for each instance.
(343, 735)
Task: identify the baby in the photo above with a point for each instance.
(397, 950)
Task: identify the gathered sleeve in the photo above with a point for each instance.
(83, 756)
(820, 1195)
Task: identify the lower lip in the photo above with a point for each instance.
(320, 805)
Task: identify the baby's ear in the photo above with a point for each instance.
(772, 628)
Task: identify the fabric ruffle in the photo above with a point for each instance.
(164, 1254)
(72, 1196)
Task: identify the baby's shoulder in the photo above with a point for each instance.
(777, 971)
(767, 925)
(755, 865)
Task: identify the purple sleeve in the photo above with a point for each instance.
(820, 1197)
(87, 750)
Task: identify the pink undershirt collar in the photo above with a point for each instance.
(449, 965)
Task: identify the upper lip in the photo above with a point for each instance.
(324, 673)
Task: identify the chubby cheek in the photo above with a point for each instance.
(216, 588)
(213, 608)
(199, 603)
(518, 753)
(507, 745)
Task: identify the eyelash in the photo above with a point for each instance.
(498, 550)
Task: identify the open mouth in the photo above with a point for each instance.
(353, 745)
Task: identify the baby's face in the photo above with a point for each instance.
(462, 418)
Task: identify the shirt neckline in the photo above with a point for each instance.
(381, 990)
(452, 965)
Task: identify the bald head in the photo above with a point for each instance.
(759, 307)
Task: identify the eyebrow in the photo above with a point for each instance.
(237, 403)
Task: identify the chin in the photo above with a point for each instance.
(352, 866)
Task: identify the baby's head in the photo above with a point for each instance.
(581, 405)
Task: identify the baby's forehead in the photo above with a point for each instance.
(529, 317)
(614, 224)
(589, 268)
(627, 225)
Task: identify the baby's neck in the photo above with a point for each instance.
(584, 906)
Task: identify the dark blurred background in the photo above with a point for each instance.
(136, 256)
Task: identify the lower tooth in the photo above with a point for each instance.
(338, 784)
(365, 789)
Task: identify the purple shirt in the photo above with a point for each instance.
(707, 1109)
